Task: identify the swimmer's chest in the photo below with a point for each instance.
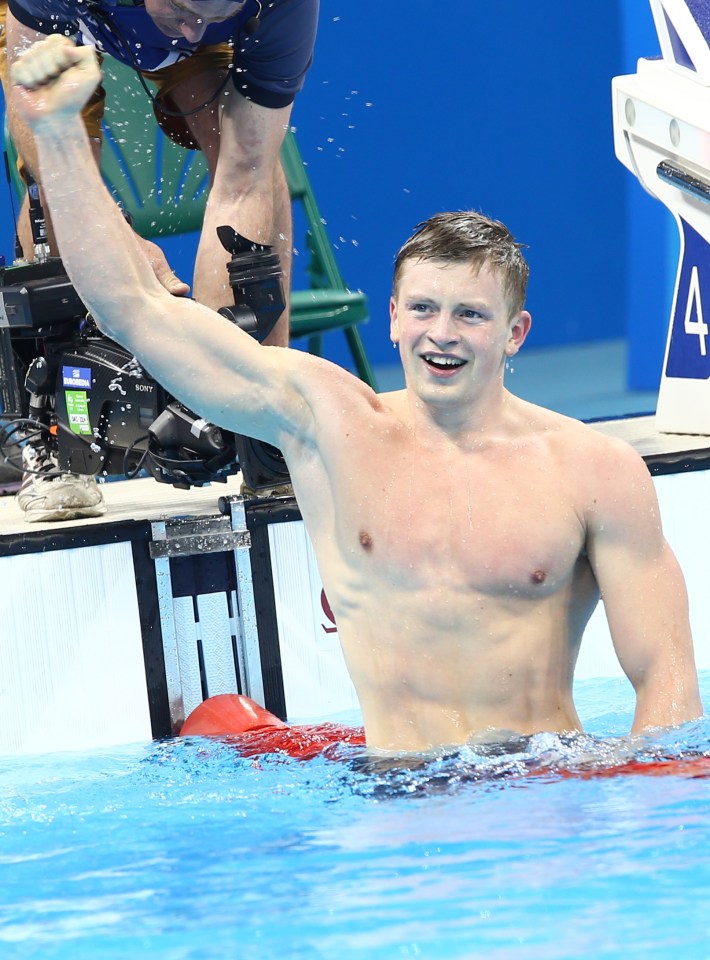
(474, 524)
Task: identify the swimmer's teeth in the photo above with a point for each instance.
(437, 361)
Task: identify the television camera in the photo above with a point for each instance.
(93, 402)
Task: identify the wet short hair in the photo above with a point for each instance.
(467, 236)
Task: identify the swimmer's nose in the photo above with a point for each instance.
(442, 331)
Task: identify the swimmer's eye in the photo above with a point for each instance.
(420, 306)
(424, 308)
(471, 316)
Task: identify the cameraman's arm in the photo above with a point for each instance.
(200, 357)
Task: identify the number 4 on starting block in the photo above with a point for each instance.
(684, 396)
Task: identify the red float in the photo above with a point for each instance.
(254, 730)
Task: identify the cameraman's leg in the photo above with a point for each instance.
(201, 79)
(15, 38)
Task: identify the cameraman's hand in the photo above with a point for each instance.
(54, 79)
(161, 268)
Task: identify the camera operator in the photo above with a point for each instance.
(227, 72)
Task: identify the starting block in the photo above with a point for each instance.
(662, 135)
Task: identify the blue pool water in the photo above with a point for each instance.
(183, 850)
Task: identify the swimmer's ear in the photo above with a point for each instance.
(394, 325)
(519, 328)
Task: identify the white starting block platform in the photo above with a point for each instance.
(113, 629)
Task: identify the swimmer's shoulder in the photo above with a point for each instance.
(583, 447)
(338, 399)
(320, 381)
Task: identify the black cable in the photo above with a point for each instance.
(130, 474)
(30, 431)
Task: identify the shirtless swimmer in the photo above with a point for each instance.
(464, 536)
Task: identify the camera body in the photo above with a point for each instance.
(101, 410)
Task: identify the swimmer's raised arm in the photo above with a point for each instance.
(199, 356)
(642, 587)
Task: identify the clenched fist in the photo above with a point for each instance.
(54, 79)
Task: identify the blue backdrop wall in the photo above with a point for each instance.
(411, 108)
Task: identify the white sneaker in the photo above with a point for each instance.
(47, 494)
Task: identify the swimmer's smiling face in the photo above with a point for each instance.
(454, 328)
(189, 18)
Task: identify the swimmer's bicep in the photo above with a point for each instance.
(639, 578)
(646, 604)
(214, 368)
(286, 396)
(631, 560)
(622, 509)
(643, 591)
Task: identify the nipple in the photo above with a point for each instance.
(538, 576)
(365, 541)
